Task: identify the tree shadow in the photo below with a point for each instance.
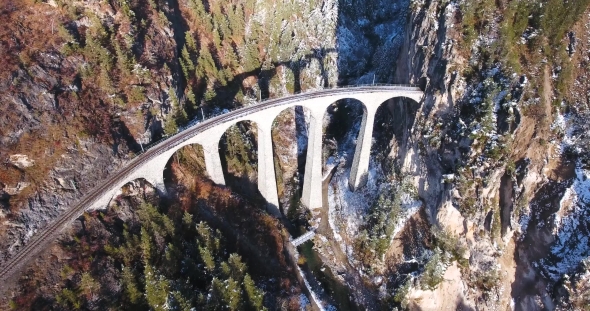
(122, 137)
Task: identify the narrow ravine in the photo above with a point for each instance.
(365, 298)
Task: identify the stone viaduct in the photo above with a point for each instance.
(151, 164)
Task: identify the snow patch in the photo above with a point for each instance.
(571, 229)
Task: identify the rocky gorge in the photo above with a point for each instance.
(477, 196)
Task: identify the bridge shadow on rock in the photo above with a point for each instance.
(239, 158)
(123, 140)
(391, 132)
(261, 82)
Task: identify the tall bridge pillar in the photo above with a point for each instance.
(312, 182)
(213, 161)
(362, 152)
(267, 181)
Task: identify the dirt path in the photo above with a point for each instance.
(547, 90)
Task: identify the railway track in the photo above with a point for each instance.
(45, 236)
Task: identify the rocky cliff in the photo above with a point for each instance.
(495, 154)
(494, 157)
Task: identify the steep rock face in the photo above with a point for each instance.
(429, 49)
(515, 199)
(437, 149)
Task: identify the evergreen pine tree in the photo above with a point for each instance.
(190, 42)
(130, 287)
(255, 295)
(156, 289)
(207, 258)
(146, 246)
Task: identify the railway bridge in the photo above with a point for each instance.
(150, 164)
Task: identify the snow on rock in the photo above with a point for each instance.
(303, 302)
(21, 161)
(571, 229)
(20, 186)
(352, 206)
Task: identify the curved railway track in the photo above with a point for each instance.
(48, 234)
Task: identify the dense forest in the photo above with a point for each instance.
(148, 253)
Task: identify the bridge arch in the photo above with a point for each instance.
(208, 135)
(342, 124)
(393, 121)
(238, 152)
(190, 156)
(290, 136)
(359, 170)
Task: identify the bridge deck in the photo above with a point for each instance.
(303, 238)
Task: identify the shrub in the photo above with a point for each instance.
(170, 126)
(381, 223)
(434, 271)
(450, 243)
(136, 94)
(401, 295)
(67, 298)
(496, 222)
(487, 280)
(468, 206)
